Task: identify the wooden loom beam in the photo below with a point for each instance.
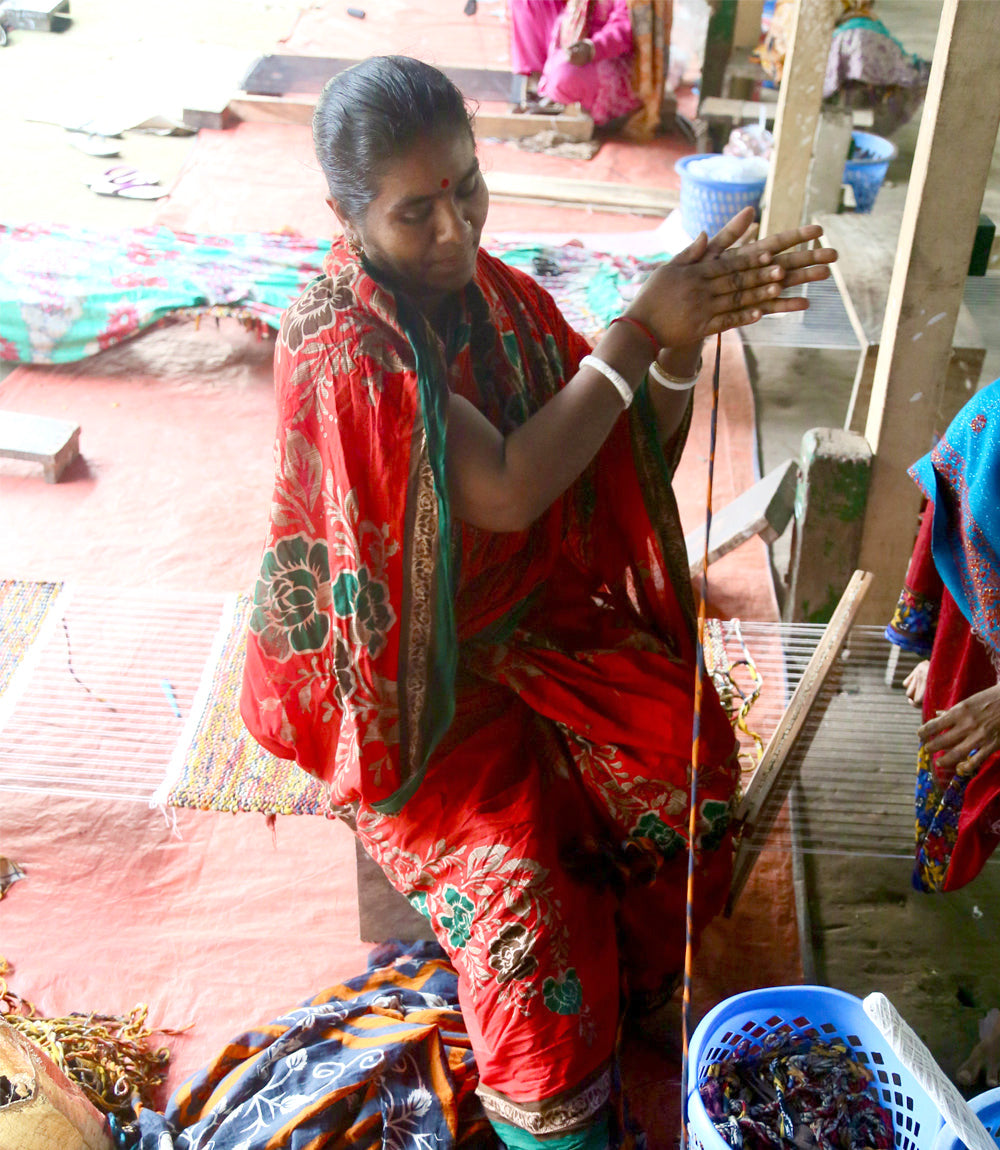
(755, 813)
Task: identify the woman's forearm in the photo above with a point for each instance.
(670, 404)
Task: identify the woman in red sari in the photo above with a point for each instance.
(473, 617)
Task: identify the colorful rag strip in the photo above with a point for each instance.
(67, 293)
(798, 1095)
(736, 698)
(382, 1060)
(110, 1057)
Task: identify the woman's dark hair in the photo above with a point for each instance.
(373, 112)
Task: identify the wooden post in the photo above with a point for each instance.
(799, 103)
(747, 23)
(718, 47)
(829, 513)
(826, 172)
(951, 164)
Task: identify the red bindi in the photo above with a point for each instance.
(445, 183)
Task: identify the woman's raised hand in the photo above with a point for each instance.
(720, 283)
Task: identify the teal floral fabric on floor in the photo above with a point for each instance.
(68, 293)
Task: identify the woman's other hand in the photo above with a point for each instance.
(582, 52)
(720, 283)
(966, 734)
(915, 682)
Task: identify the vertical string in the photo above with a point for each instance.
(695, 751)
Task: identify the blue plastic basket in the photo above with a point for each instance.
(866, 169)
(987, 1107)
(708, 205)
(740, 1027)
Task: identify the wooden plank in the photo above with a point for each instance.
(749, 111)
(763, 509)
(574, 124)
(755, 811)
(799, 102)
(951, 163)
(271, 109)
(861, 390)
(829, 514)
(582, 193)
(747, 27)
(504, 125)
(281, 75)
(826, 172)
(867, 244)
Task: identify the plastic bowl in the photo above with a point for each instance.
(865, 171)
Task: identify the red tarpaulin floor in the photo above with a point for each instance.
(210, 918)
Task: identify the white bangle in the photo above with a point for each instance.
(674, 382)
(609, 373)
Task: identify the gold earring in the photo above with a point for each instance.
(355, 246)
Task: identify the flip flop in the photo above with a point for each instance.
(95, 144)
(124, 174)
(128, 183)
(127, 191)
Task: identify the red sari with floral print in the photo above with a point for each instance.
(505, 718)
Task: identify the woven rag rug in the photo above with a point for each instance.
(23, 610)
(58, 657)
(68, 293)
(218, 766)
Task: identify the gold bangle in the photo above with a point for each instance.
(674, 382)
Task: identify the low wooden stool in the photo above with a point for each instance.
(383, 912)
(54, 443)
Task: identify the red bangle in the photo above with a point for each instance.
(639, 326)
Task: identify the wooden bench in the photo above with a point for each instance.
(54, 443)
(719, 115)
(867, 244)
(764, 509)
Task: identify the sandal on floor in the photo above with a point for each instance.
(126, 174)
(128, 191)
(94, 144)
(128, 183)
(539, 106)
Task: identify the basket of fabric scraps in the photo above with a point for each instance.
(714, 187)
(796, 1067)
(986, 1107)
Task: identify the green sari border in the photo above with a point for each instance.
(438, 710)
